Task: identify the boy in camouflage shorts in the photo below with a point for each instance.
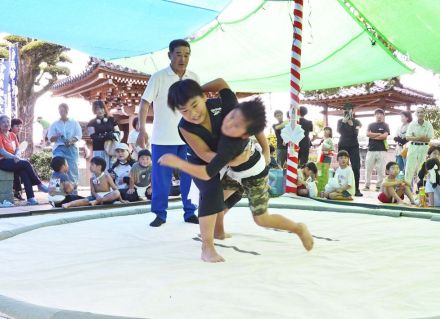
(246, 119)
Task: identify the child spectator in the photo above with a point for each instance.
(342, 185)
(120, 171)
(393, 188)
(327, 146)
(307, 180)
(433, 152)
(102, 187)
(61, 186)
(140, 176)
(432, 188)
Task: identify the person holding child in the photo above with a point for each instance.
(433, 152)
(101, 129)
(342, 185)
(237, 124)
(327, 146)
(393, 189)
(102, 187)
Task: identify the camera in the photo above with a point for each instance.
(348, 114)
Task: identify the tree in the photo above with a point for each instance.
(39, 68)
(433, 116)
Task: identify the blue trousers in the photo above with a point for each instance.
(401, 161)
(71, 155)
(161, 182)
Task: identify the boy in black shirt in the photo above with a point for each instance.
(244, 120)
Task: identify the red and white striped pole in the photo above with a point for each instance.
(295, 77)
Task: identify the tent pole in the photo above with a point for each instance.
(295, 77)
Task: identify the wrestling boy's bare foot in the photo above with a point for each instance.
(222, 236)
(219, 236)
(306, 237)
(210, 255)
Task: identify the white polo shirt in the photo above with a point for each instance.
(165, 131)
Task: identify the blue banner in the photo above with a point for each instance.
(13, 79)
(8, 83)
(4, 86)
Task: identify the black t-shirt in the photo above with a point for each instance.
(376, 145)
(349, 134)
(280, 143)
(102, 130)
(307, 126)
(217, 110)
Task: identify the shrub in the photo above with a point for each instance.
(41, 163)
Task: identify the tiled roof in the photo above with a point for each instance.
(362, 90)
(95, 63)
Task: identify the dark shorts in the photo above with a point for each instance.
(210, 196)
(211, 200)
(68, 199)
(257, 192)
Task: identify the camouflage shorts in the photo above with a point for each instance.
(257, 191)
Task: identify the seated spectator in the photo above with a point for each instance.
(307, 180)
(120, 171)
(433, 152)
(102, 187)
(16, 126)
(342, 185)
(393, 188)
(140, 176)
(432, 188)
(61, 186)
(11, 162)
(132, 139)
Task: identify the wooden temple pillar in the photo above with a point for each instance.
(325, 115)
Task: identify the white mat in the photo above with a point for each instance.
(373, 267)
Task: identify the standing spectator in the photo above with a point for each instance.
(304, 144)
(102, 128)
(10, 162)
(45, 124)
(400, 138)
(65, 133)
(377, 133)
(327, 146)
(419, 133)
(132, 139)
(16, 126)
(165, 136)
(281, 146)
(348, 128)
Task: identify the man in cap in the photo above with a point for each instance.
(348, 128)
